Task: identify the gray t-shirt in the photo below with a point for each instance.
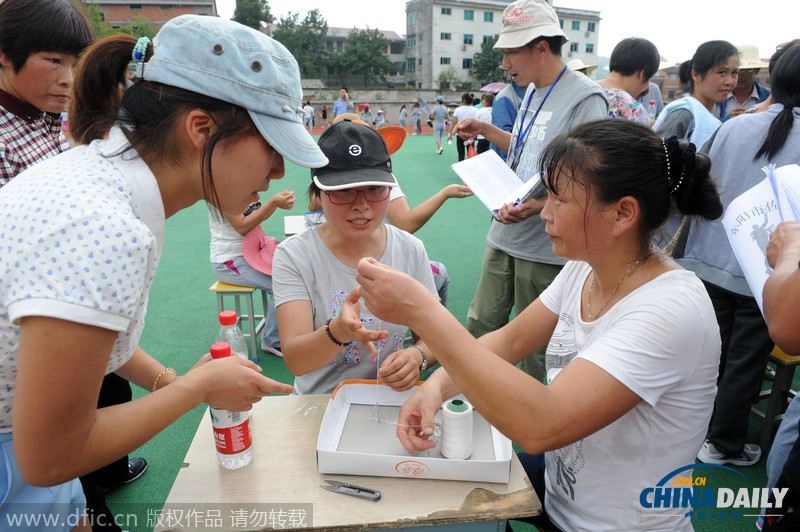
(439, 114)
(305, 269)
(574, 99)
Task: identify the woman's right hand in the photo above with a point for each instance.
(415, 424)
(468, 128)
(231, 383)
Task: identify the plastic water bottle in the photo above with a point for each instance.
(651, 110)
(232, 432)
(230, 333)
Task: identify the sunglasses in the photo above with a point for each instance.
(346, 196)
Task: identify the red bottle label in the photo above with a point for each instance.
(235, 435)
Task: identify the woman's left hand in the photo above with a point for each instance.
(400, 370)
(391, 295)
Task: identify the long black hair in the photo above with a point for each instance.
(786, 91)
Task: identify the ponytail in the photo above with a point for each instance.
(689, 179)
(148, 110)
(786, 91)
(100, 81)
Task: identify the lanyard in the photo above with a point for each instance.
(524, 135)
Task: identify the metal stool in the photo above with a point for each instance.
(778, 395)
(255, 322)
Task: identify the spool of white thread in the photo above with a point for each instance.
(457, 429)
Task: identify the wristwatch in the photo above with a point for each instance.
(424, 364)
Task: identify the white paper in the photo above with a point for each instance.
(754, 215)
(493, 182)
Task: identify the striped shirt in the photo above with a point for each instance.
(27, 135)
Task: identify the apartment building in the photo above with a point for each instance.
(444, 35)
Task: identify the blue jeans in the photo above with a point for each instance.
(249, 276)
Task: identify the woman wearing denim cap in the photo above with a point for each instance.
(82, 233)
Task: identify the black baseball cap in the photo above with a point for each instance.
(357, 157)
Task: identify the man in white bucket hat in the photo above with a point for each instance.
(747, 92)
(519, 262)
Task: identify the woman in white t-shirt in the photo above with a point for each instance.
(465, 110)
(82, 233)
(326, 335)
(632, 341)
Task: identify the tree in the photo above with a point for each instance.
(95, 17)
(140, 28)
(486, 64)
(306, 41)
(362, 55)
(252, 12)
(448, 79)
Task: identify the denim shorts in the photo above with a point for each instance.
(31, 508)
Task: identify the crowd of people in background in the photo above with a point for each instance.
(612, 333)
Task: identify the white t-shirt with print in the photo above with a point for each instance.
(81, 236)
(305, 269)
(662, 342)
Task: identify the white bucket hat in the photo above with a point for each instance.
(749, 58)
(525, 20)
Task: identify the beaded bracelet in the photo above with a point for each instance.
(330, 335)
(163, 372)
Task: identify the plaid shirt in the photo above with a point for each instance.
(27, 135)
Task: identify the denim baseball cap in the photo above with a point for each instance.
(358, 157)
(233, 63)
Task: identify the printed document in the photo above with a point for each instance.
(495, 183)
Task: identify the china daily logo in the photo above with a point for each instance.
(674, 491)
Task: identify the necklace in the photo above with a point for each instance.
(613, 292)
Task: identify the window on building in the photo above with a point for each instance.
(573, 47)
(411, 40)
(329, 45)
(166, 6)
(447, 11)
(444, 36)
(488, 16)
(590, 26)
(466, 62)
(419, 62)
(444, 60)
(411, 17)
(469, 14)
(339, 45)
(412, 64)
(467, 38)
(589, 48)
(561, 23)
(576, 24)
(487, 38)
(671, 95)
(137, 7)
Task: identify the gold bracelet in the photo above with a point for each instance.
(163, 372)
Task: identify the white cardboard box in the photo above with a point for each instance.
(353, 441)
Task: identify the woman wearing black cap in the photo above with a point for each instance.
(326, 335)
